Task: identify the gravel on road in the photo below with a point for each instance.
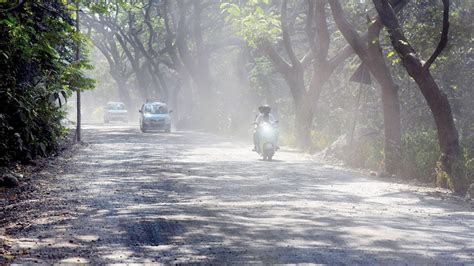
(187, 197)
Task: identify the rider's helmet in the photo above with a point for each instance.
(264, 109)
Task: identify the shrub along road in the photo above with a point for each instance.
(191, 197)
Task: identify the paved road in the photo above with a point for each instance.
(190, 197)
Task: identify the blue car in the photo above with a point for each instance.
(155, 116)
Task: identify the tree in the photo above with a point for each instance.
(107, 45)
(305, 93)
(451, 166)
(370, 52)
(131, 35)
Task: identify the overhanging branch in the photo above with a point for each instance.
(444, 36)
(286, 35)
(14, 8)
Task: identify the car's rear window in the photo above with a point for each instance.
(115, 106)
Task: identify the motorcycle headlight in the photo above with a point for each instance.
(267, 130)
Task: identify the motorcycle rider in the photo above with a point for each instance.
(263, 116)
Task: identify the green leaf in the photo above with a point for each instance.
(234, 10)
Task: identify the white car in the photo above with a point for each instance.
(115, 111)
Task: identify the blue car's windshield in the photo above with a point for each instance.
(155, 109)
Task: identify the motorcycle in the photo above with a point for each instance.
(267, 137)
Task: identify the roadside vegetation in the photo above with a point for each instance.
(39, 70)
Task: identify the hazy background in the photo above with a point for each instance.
(239, 75)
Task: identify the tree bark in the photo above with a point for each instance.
(451, 158)
(390, 101)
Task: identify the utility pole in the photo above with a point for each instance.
(78, 91)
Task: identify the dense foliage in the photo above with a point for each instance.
(38, 45)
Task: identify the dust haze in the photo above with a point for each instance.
(237, 132)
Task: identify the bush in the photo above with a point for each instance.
(319, 140)
(420, 154)
(468, 153)
(366, 152)
(37, 55)
(98, 114)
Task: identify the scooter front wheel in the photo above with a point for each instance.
(268, 155)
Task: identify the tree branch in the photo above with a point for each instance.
(169, 36)
(322, 31)
(181, 42)
(356, 41)
(398, 39)
(340, 57)
(309, 23)
(281, 65)
(444, 36)
(347, 30)
(286, 36)
(307, 58)
(153, 35)
(14, 8)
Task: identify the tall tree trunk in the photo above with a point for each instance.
(392, 125)
(451, 158)
(142, 84)
(303, 123)
(122, 87)
(390, 101)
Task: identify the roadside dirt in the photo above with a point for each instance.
(197, 198)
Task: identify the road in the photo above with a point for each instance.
(191, 197)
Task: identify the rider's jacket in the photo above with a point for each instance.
(265, 118)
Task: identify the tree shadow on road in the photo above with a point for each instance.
(189, 198)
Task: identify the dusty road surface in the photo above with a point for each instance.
(191, 198)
